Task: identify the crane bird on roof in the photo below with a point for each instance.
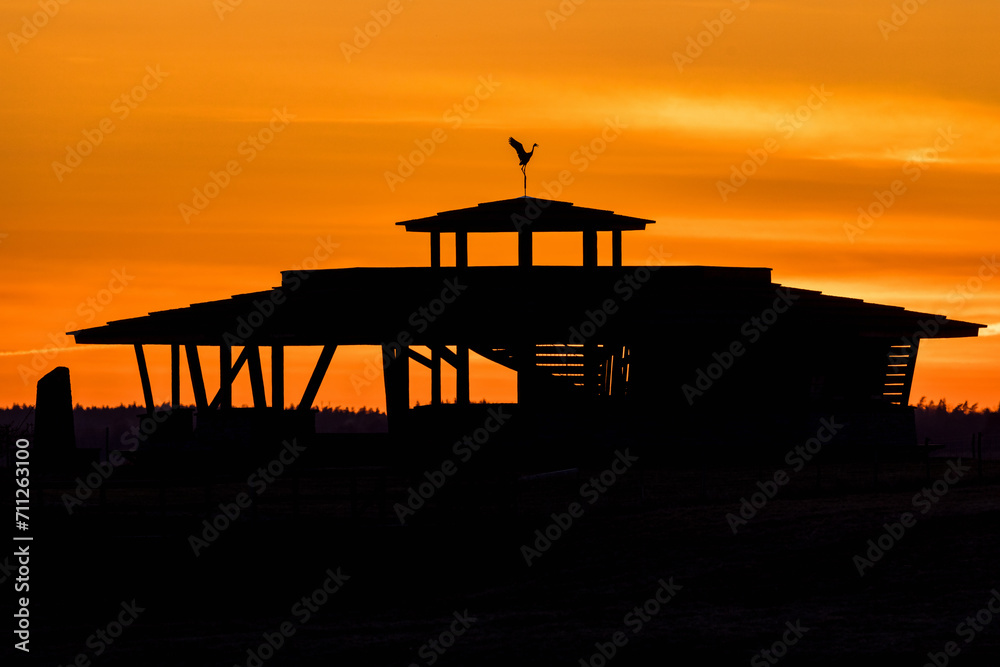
(523, 156)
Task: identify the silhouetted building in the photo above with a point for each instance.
(654, 353)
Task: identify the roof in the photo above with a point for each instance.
(525, 213)
(366, 306)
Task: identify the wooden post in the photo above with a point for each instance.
(435, 376)
(526, 363)
(524, 249)
(175, 376)
(256, 378)
(147, 390)
(278, 377)
(323, 363)
(396, 374)
(225, 381)
(462, 376)
(436, 249)
(590, 247)
(461, 250)
(197, 379)
(616, 247)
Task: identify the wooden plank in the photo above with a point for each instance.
(316, 380)
(147, 389)
(197, 379)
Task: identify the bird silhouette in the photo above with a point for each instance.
(523, 156)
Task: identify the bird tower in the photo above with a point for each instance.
(526, 216)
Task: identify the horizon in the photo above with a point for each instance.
(180, 152)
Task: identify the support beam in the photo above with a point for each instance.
(225, 395)
(436, 249)
(616, 247)
(229, 376)
(436, 375)
(278, 377)
(461, 250)
(175, 376)
(317, 377)
(526, 376)
(396, 374)
(462, 376)
(256, 377)
(448, 356)
(147, 389)
(524, 250)
(197, 379)
(590, 247)
(419, 358)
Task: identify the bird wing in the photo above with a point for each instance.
(517, 147)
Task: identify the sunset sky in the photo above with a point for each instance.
(116, 113)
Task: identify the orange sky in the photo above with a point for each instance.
(162, 93)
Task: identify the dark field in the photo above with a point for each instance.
(732, 595)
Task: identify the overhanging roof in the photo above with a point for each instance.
(500, 304)
(525, 214)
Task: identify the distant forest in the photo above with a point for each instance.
(937, 421)
(91, 423)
